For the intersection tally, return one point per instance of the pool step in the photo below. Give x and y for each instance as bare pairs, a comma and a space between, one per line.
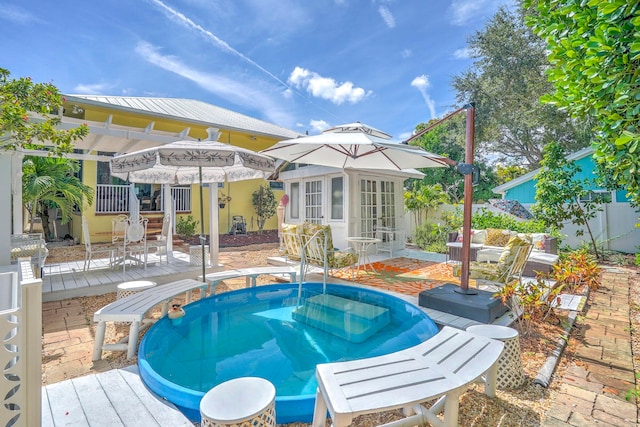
351, 320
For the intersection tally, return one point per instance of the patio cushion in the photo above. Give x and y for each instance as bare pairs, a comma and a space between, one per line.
335, 257
497, 237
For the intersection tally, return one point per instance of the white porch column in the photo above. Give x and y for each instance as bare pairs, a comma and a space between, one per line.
168, 209
16, 191
6, 175
214, 238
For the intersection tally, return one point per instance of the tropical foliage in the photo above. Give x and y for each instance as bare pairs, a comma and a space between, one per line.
51, 183
506, 82
594, 51
265, 204
448, 139
560, 196
423, 197
25, 116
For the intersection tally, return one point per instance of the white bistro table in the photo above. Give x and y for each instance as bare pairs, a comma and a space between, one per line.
362, 246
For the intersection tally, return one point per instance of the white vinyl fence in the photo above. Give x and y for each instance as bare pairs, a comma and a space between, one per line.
21, 349
614, 228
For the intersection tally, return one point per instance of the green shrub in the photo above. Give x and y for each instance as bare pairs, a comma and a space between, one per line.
486, 219
186, 227
432, 237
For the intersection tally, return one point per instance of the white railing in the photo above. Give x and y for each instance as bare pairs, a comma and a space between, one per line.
21, 347
115, 199
182, 197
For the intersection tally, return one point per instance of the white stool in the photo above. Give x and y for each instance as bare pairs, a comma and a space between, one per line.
241, 402
195, 255
510, 372
129, 288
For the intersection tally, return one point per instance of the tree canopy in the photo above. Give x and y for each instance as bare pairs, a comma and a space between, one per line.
25, 116
594, 51
506, 82
448, 139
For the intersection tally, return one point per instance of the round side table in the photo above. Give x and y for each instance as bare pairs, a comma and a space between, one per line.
241, 402
129, 288
510, 372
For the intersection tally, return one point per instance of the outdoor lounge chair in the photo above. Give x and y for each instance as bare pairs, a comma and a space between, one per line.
509, 267
440, 368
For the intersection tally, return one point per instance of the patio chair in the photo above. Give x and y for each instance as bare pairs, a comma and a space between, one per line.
134, 245
510, 266
162, 242
238, 225
90, 250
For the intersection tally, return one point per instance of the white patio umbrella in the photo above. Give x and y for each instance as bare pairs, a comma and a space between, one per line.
355, 146
192, 162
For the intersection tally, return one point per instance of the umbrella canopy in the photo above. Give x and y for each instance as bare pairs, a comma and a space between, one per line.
179, 163
192, 162
512, 207
355, 146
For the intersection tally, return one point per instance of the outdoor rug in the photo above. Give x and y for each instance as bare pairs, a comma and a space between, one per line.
405, 275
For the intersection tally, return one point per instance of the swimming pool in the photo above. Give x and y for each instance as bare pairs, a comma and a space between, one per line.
252, 332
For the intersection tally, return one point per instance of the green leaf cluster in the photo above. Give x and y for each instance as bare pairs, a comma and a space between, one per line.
26, 118
560, 195
265, 203
594, 51
506, 82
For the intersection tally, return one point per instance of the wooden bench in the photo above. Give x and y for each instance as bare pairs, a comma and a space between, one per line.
440, 368
133, 309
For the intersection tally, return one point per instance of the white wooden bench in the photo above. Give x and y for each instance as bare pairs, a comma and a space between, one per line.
133, 309
251, 275
440, 368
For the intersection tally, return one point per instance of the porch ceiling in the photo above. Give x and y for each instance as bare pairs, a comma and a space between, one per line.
110, 138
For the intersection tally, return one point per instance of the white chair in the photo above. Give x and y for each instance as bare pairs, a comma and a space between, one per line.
162, 242
130, 240
90, 249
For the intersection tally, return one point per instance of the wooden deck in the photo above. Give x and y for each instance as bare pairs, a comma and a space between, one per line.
114, 398
68, 280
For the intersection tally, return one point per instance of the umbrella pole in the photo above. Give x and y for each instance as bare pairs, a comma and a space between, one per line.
468, 200
202, 237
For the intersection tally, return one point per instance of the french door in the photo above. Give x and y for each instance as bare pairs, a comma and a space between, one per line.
377, 206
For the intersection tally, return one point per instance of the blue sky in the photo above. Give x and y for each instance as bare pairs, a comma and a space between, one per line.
304, 65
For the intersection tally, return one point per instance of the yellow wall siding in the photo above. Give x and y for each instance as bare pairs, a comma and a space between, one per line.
240, 192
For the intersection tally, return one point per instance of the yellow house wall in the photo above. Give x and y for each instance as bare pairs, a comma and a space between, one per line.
240, 192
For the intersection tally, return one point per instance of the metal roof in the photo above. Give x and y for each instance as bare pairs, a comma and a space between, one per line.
189, 110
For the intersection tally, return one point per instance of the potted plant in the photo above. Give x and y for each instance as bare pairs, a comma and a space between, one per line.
223, 199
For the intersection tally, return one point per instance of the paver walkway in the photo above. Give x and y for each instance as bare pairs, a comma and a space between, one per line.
595, 384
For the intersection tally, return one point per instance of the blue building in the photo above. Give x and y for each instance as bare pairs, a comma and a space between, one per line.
614, 228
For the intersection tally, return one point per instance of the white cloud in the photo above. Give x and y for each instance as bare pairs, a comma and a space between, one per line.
326, 87
406, 53
92, 89
387, 17
422, 84
185, 21
464, 53
465, 11
234, 91
318, 125
17, 14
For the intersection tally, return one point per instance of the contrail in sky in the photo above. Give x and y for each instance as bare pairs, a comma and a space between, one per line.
215, 39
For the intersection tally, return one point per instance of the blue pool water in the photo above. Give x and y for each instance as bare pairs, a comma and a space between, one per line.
251, 332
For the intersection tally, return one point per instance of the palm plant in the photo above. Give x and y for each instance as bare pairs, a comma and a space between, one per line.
422, 198
49, 182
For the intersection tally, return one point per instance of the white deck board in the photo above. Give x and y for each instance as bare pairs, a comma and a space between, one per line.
114, 398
